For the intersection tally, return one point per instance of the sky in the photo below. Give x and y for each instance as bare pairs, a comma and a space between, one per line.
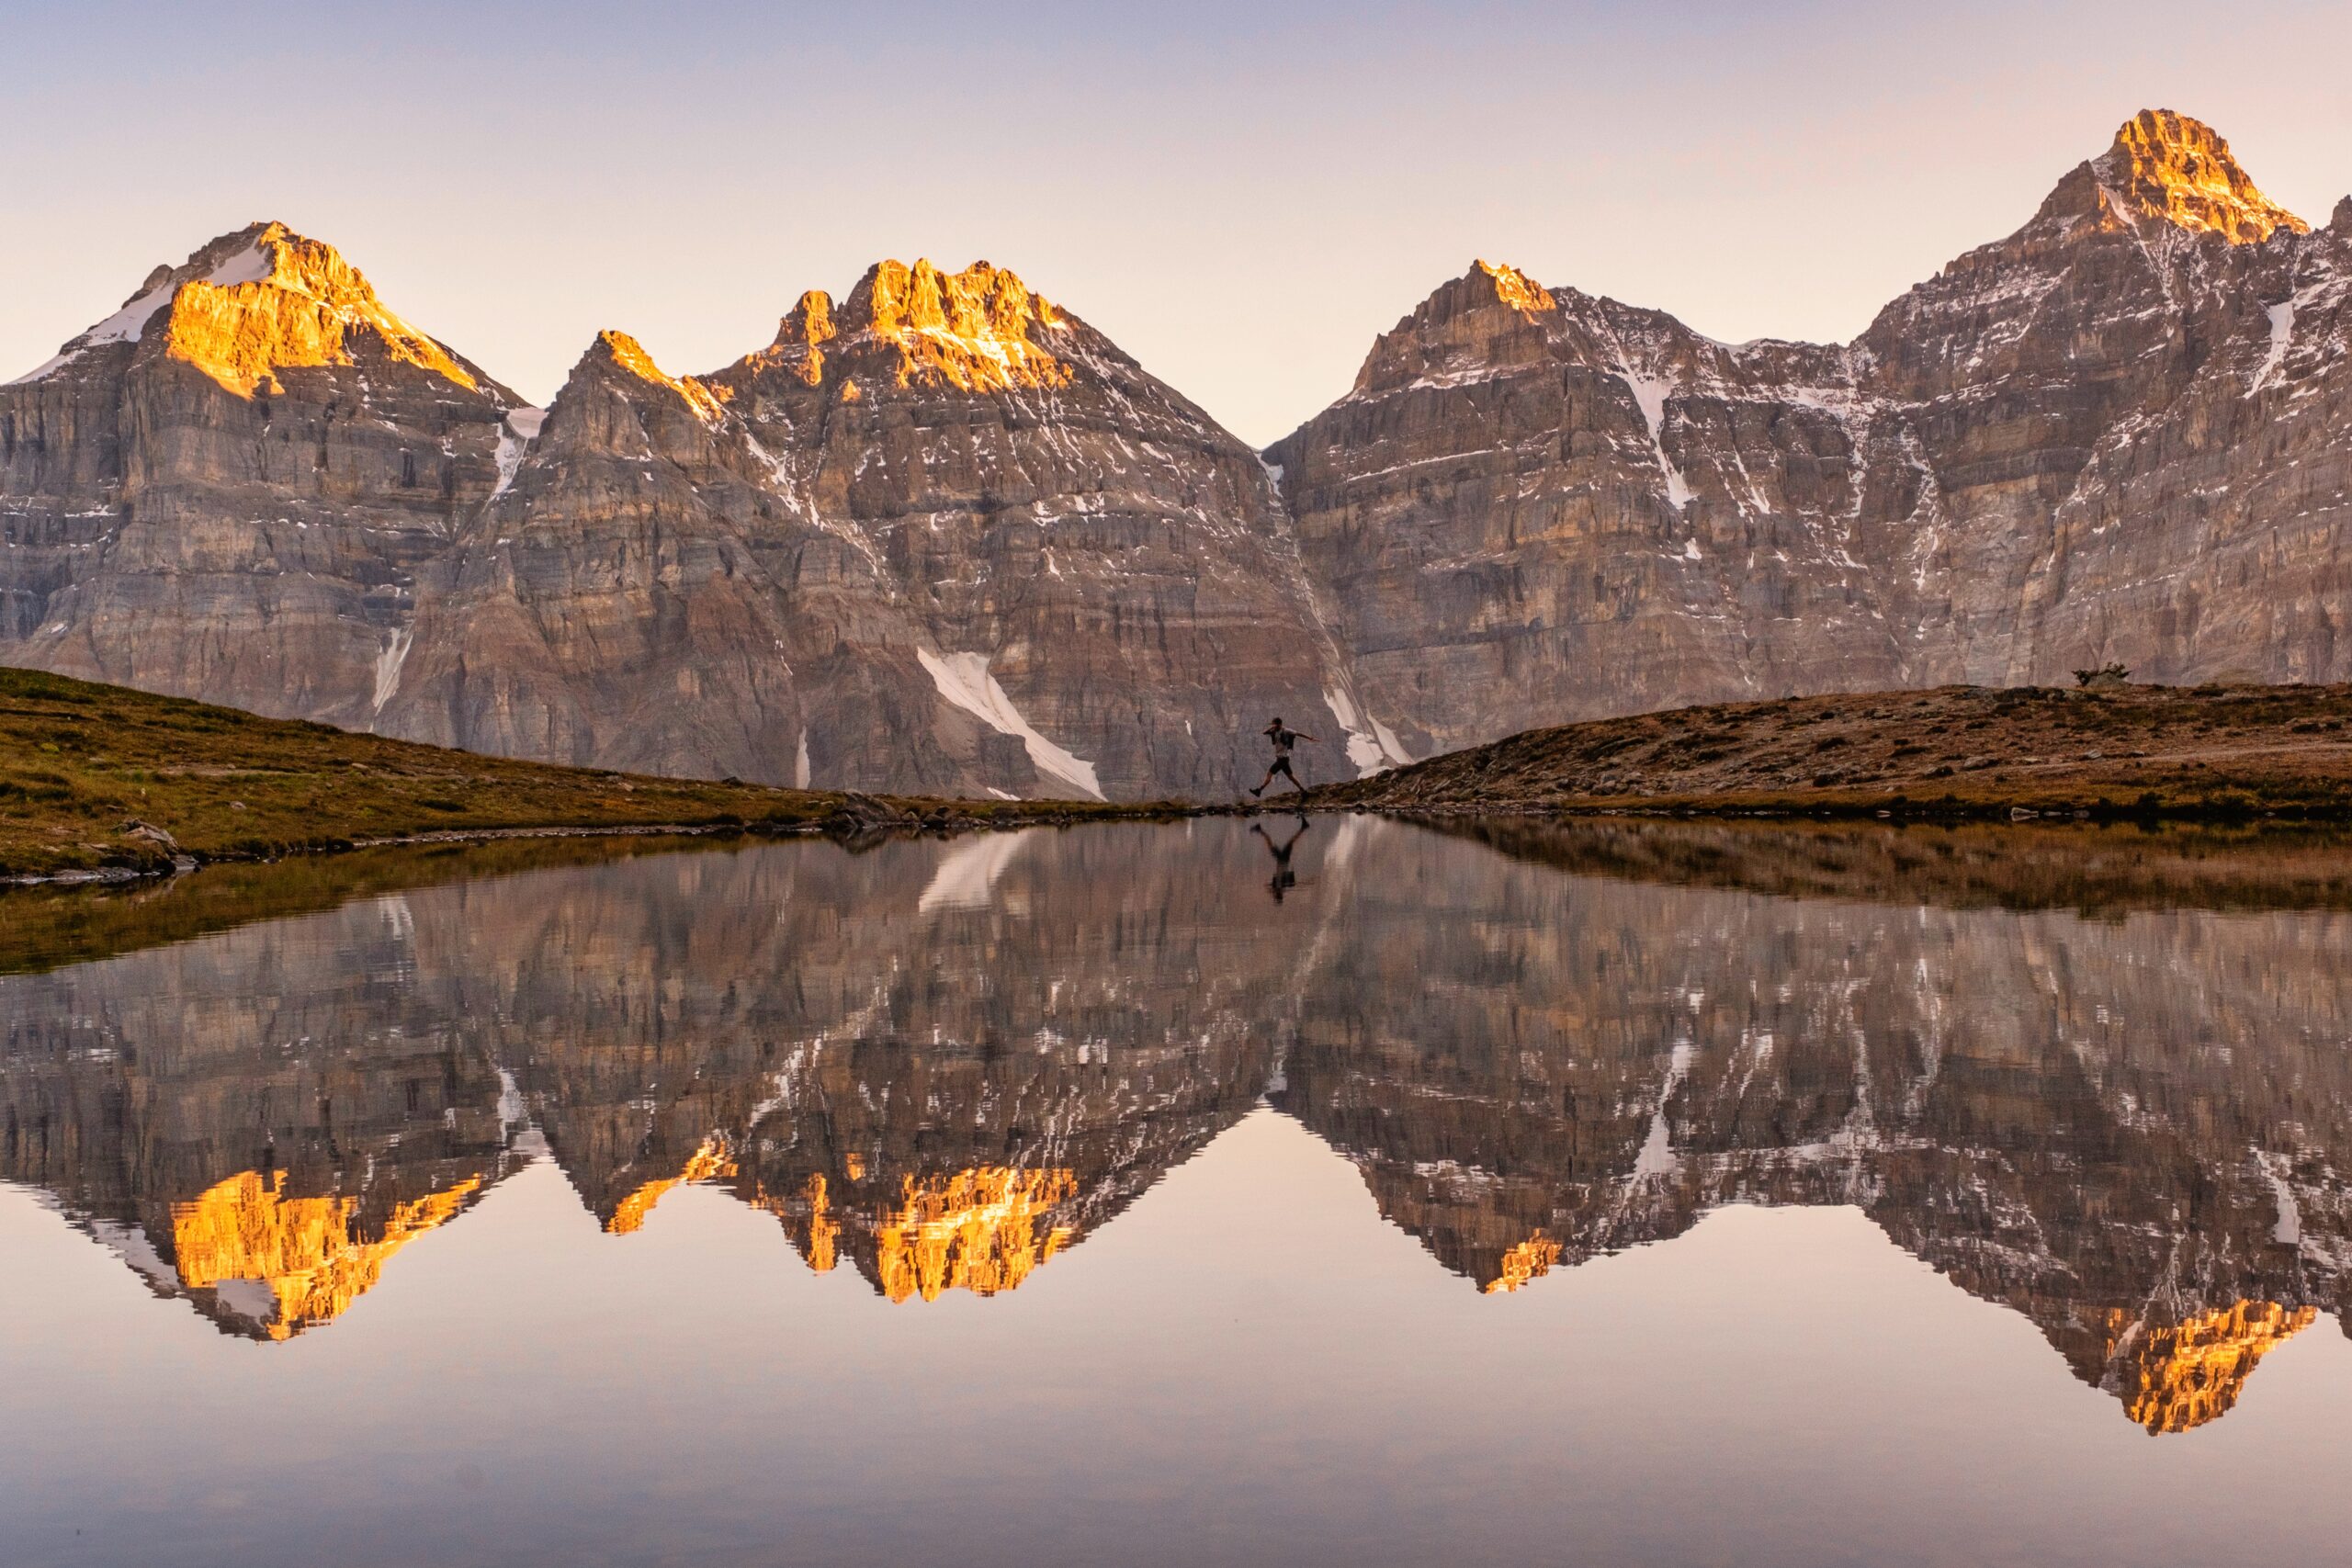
1242, 196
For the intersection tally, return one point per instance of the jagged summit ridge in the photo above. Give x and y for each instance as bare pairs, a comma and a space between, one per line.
2168, 165
980, 330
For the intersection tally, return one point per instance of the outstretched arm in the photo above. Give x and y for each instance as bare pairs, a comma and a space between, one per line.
1303, 735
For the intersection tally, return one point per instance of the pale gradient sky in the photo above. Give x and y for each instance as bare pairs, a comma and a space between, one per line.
1241, 195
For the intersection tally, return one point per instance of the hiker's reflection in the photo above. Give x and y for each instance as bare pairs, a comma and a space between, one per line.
1284, 878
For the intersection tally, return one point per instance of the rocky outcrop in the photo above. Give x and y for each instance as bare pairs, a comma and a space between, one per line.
2119, 434
639, 595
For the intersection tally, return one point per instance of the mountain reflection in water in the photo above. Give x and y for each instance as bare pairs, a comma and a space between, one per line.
944, 1066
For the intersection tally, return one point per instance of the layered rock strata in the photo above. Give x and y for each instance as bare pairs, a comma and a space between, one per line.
2119, 433
944, 536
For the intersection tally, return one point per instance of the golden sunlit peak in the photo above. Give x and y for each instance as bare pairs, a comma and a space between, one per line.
1515, 289
2180, 1376
301, 1249
976, 1230
266, 300
968, 330
2168, 165
800, 340
629, 354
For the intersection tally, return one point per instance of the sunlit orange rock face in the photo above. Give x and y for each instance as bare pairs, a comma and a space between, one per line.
307, 309
980, 330
1529, 1260
711, 1162
1516, 289
976, 330
2121, 432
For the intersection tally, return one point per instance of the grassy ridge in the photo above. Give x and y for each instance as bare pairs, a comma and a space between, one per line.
2205, 751
93, 776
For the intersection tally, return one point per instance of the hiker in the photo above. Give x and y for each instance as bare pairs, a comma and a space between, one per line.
1284, 878
1283, 740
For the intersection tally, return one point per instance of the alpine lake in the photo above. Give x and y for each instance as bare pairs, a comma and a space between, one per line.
1291, 1190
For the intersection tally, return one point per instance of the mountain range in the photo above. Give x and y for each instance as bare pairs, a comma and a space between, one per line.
943, 535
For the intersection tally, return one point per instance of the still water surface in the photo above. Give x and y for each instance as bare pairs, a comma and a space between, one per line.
1192, 1194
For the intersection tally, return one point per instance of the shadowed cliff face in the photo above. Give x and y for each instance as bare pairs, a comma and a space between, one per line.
2118, 433
943, 1066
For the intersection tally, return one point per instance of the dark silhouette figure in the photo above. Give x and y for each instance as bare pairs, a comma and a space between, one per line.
1283, 740
1284, 878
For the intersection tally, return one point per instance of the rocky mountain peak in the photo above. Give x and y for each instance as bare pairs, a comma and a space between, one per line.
616, 352
2168, 165
800, 339
980, 330
1492, 315
258, 301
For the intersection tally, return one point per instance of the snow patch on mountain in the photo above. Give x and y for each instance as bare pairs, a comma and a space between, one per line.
129, 323
964, 680
1650, 392
521, 428
387, 666
1371, 747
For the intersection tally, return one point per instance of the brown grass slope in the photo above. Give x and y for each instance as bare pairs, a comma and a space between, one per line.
1957, 750
2100, 870
95, 777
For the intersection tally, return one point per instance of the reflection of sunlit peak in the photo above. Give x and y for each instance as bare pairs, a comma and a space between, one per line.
711, 1162
976, 1230
301, 1249
824, 1231
1530, 1259
2178, 1376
